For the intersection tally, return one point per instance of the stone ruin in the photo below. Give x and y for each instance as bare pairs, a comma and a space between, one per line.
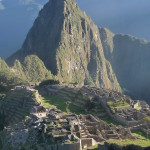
129, 116
60, 130
63, 131
95, 129
132, 116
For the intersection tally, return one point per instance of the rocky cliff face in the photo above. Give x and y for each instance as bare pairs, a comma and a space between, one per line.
69, 44
130, 61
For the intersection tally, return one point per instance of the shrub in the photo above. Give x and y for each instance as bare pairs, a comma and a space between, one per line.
49, 82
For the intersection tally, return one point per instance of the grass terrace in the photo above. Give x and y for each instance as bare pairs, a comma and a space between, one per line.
138, 142
109, 120
66, 105
141, 135
61, 103
95, 147
143, 140
117, 104
146, 119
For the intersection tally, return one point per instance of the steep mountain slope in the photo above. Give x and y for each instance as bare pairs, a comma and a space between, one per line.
129, 57
69, 44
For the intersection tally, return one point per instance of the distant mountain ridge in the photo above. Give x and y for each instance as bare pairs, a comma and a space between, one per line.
129, 57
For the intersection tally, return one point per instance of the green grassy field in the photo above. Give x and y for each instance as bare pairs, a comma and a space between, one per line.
141, 135
117, 104
108, 120
63, 104
146, 119
143, 140
92, 148
67, 106
139, 142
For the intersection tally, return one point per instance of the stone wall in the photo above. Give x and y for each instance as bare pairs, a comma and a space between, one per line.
141, 128
117, 117
138, 127
72, 146
107, 146
88, 142
124, 121
114, 116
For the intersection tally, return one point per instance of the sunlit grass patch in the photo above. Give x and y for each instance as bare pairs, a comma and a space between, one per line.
61, 103
138, 142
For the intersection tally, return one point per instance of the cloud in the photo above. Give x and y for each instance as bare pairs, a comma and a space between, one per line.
1, 6
26, 2
29, 2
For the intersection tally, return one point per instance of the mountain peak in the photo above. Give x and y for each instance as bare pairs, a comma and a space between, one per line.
69, 44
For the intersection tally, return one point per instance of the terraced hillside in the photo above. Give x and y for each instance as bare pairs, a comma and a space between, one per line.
76, 100
16, 105
22, 109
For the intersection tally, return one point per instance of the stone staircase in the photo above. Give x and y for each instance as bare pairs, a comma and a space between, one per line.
83, 132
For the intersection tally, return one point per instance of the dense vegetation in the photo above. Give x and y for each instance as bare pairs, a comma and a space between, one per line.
32, 69
48, 82
8, 79
35, 69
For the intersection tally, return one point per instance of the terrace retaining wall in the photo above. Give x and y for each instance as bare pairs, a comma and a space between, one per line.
72, 146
